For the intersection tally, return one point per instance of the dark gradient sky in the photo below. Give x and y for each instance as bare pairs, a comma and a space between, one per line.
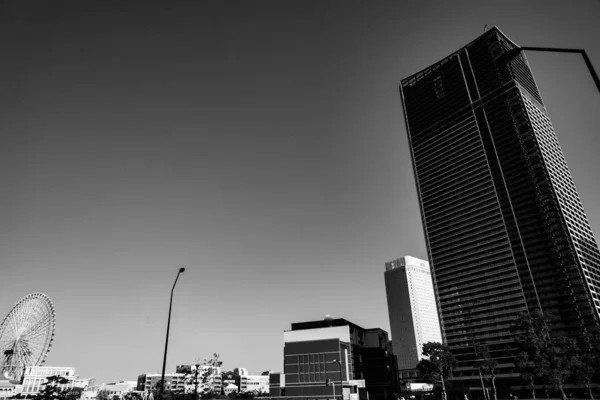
260, 144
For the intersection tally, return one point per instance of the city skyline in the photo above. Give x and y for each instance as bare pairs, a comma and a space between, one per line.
260, 145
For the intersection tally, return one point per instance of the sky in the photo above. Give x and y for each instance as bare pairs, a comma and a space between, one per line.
259, 144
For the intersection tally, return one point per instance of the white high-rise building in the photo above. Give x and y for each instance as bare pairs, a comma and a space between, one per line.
412, 309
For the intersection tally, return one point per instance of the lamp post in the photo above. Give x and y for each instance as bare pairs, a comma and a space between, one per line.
341, 380
511, 54
162, 377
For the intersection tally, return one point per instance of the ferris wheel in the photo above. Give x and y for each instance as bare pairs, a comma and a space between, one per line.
26, 335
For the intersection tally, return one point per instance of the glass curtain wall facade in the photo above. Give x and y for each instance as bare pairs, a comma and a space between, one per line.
505, 229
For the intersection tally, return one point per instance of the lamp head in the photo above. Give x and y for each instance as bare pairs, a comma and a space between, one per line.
509, 56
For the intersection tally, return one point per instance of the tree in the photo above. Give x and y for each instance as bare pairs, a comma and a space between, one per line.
557, 362
167, 394
52, 390
132, 396
527, 369
201, 377
102, 395
486, 366
437, 366
586, 363
582, 370
540, 355
73, 393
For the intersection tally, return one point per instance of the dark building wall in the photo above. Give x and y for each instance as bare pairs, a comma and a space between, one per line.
308, 364
230, 377
275, 384
504, 227
183, 369
141, 382
401, 318
380, 372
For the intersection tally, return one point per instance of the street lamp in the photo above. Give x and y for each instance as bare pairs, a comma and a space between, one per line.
511, 54
341, 380
162, 377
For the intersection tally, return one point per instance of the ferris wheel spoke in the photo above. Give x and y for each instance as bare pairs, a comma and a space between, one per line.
43, 319
35, 349
25, 358
34, 346
38, 340
28, 313
3, 347
37, 311
12, 324
31, 346
38, 327
25, 355
21, 311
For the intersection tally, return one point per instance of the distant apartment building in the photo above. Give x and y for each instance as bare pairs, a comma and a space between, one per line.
233, 382
35, 376
412, 310
214, 378
257, 383
148, 382
350, 356
251, 383
118, 388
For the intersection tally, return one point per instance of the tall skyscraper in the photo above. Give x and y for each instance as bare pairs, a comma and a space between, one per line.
412, 309
505, 229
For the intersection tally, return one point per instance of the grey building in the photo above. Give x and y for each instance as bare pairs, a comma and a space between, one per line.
505, 229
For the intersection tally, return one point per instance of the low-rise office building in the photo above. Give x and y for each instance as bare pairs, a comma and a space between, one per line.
213, 380
7, 389
118, 388
36, 376
175, 382
257, 383
233, 382
336, 351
